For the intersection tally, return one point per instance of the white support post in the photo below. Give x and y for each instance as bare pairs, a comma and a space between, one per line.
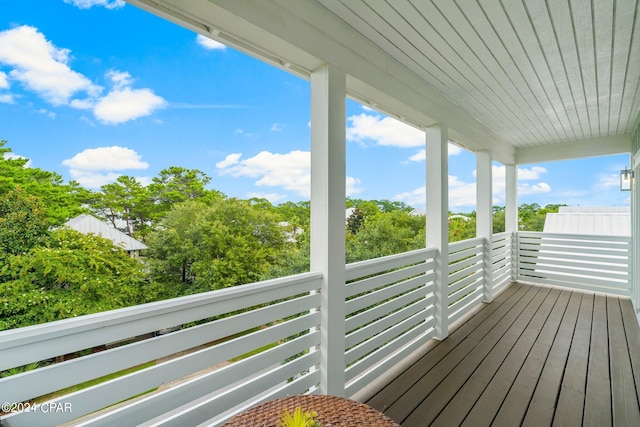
635, 234
437, 200
511, 214
328, 173
484, 217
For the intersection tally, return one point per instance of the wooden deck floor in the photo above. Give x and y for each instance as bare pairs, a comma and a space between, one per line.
536, 356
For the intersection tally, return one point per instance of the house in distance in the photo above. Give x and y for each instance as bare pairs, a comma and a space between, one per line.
88, 224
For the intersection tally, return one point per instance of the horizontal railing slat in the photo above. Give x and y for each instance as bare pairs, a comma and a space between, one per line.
357, 382
378, 341
377, 296
24, 345
370, 283
378, 265
386, 307
378, 326
116, 390
58, 376
465, 244
383, 352
454, 288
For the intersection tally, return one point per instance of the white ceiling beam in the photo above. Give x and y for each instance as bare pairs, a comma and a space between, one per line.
615, 144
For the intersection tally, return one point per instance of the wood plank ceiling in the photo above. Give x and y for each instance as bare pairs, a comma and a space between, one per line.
533, 71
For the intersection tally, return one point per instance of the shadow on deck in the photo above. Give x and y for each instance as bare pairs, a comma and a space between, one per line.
536, 356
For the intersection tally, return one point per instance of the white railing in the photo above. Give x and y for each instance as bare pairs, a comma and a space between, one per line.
502, 260
593, 263
466, 276
206, 357
390, 313
277, 319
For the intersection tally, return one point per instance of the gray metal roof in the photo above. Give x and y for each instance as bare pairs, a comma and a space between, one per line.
88, 224
598, 220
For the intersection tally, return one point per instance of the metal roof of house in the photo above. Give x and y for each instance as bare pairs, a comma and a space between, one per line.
601, 220
88, 224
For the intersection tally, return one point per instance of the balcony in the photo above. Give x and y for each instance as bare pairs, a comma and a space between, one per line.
500, 328
241, 346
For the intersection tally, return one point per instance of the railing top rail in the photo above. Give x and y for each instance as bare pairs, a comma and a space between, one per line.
591, 237
501, 234
377, 265
462, 244
21, 336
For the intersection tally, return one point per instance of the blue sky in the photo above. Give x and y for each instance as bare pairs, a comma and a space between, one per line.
94, 89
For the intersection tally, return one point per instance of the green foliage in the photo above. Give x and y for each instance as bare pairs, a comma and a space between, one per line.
355, 221
386, 234
177, 184
374, 206
72, 274
217, 245
299, 418
532, 216
461, 227
22, 225
62, 201
125, 202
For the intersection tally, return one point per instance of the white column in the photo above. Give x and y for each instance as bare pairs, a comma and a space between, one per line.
484, 217
437, 201
511, 214
635, 235
328, 169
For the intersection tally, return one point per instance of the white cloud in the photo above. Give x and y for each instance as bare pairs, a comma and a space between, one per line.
231, 159
524, 174
47, 113
527, 189
420, 156
122, 105
93, 179
4, 81
290, 171
383, 131
352, 186
42, 67
209, 44
95, 167
530, 174
7, 98
461, 194
120, 79
86, 4
277, 127
415, 197
607, 182
107, 159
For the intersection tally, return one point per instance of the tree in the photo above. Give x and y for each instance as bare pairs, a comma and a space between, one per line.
61, 201
71, 274
23, 224
355, 221
211, 246
386, 234
177, 184
126, 204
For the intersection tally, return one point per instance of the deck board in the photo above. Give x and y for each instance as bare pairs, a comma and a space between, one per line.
535, 356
